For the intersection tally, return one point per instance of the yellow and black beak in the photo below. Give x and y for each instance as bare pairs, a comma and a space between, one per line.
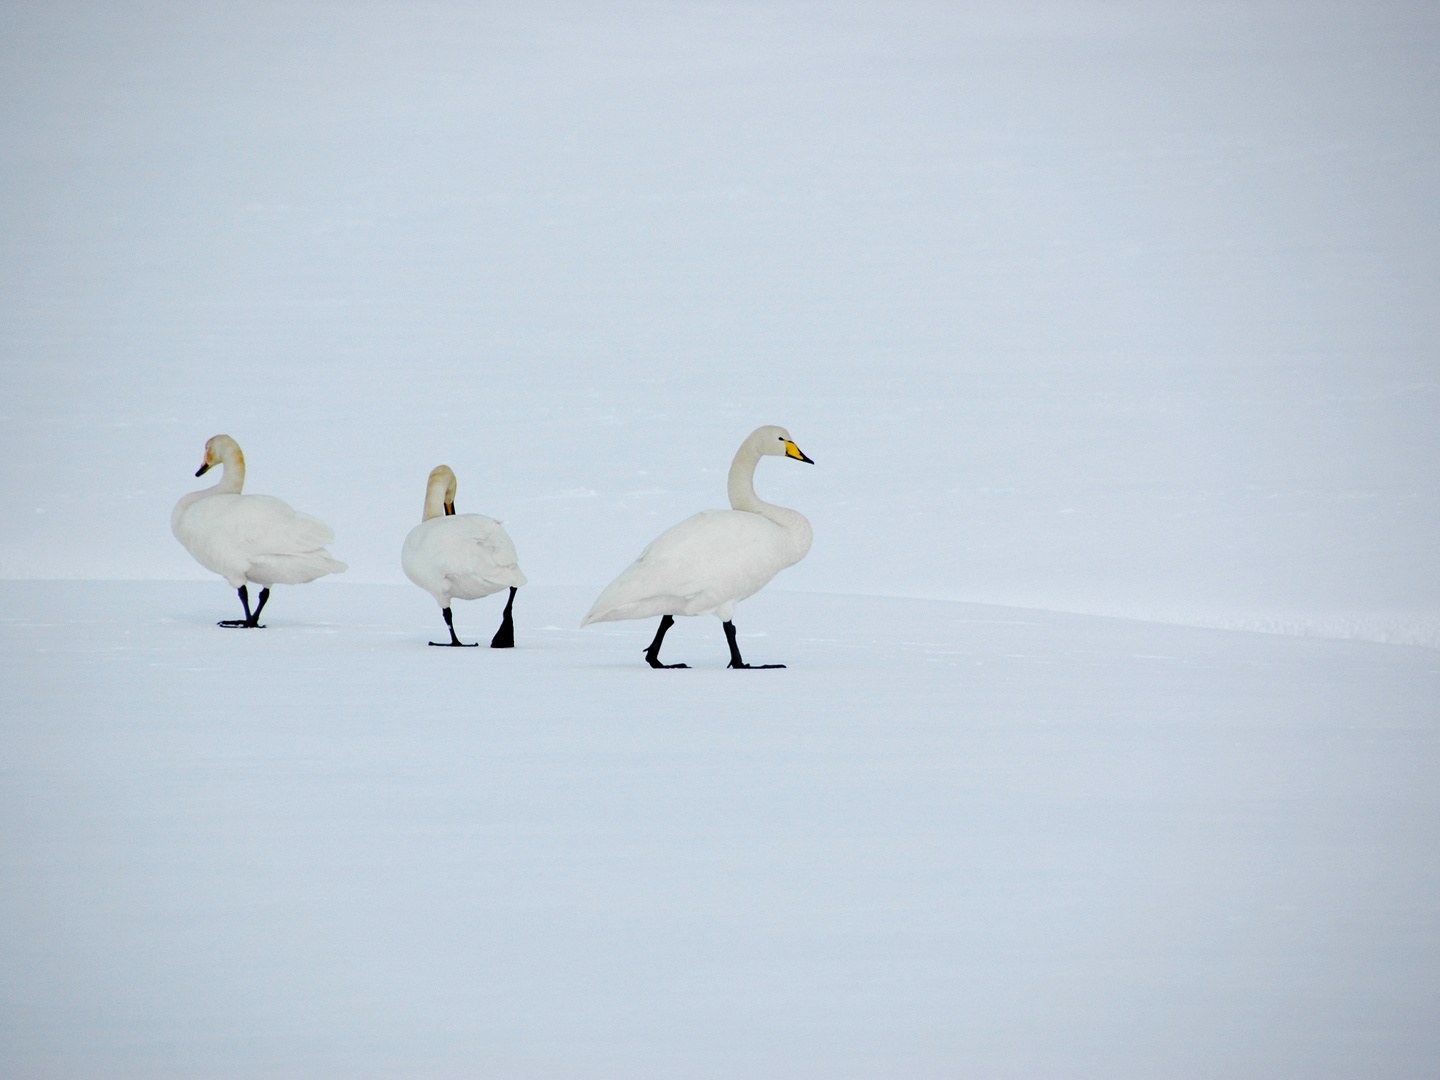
793, 451
449, 509
203, 469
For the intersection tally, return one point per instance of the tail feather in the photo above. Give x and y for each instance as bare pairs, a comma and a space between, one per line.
275, 569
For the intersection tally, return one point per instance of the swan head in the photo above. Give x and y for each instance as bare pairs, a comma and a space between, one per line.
776, 440
439, 492
220, 450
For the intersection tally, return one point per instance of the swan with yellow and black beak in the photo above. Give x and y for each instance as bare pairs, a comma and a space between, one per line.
710, 562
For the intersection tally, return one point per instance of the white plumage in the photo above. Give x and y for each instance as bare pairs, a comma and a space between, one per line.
249, 537
460, 556
706, 564
710, 562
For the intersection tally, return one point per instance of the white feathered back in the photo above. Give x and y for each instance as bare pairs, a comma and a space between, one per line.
461, 556
250, 537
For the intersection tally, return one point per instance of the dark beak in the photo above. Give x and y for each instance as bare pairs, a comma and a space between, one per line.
202, 470
449, 509
805, 459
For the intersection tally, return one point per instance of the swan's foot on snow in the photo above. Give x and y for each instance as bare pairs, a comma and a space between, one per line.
652, 654
454, 641
505, 637
251, 621
735, 661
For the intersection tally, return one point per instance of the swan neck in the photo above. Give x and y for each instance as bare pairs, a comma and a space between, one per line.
434, 499
742, 480
232, 472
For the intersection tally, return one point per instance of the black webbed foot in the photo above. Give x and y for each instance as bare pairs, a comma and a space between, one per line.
735, 661
505, 637
454, 642
652, 654
252, 619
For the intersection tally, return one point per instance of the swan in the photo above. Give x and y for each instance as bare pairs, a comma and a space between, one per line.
468, 556
710, 562
249, 537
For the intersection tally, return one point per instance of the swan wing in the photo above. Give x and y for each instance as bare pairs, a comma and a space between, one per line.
463, 556
257, 538
708, 561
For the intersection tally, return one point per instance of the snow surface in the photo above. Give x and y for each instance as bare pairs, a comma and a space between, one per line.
1115, 309
948, 840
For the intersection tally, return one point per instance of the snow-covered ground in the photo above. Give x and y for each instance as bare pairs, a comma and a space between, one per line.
1111, 309
948, 840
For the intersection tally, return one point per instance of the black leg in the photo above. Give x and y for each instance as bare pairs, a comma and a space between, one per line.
652, 654
250, 621
505, 637
454, 641
735, 660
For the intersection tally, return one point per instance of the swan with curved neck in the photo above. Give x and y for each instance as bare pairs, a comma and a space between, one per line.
461, 556
248, 538
710, 562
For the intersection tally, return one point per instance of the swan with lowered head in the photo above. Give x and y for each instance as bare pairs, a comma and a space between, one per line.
249, 537
710, 562
461, 556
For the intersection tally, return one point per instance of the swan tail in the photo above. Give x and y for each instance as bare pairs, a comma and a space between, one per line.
278, 569
637, 594
639, 609
465, 586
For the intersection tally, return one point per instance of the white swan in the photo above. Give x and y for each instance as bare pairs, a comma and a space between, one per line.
249, 537
712, 561
464, 556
